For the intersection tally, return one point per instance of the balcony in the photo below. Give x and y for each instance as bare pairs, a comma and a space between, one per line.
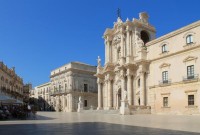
190, 78
165, 82
61, 91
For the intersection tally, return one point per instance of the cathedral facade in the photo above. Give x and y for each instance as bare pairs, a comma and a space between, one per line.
148, 72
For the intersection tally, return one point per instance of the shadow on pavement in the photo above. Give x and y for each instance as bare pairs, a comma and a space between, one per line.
85, 128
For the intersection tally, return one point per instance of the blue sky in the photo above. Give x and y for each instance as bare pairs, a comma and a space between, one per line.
37, 36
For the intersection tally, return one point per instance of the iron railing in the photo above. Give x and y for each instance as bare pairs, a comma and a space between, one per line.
191, 77
165, 82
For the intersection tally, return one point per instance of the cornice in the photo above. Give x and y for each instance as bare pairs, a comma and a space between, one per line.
72, 70
175, 53
174, 33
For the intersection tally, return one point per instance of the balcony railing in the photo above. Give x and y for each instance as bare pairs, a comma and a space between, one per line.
61, 91
165, 82
191, 77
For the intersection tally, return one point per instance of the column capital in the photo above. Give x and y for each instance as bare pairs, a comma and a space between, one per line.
128, 29
99, 81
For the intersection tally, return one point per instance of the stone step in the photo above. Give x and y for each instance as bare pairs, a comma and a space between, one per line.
101, 111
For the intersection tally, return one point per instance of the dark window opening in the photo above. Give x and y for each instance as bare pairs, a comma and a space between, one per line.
190, 99
165, 101
144, 37
85, 103
85, 88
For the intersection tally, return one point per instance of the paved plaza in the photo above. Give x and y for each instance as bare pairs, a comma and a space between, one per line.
103, 124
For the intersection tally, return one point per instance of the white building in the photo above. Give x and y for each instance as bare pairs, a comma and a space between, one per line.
157, 73
71, 81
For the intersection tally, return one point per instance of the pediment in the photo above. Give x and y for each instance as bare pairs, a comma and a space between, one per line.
190, 58
164, 65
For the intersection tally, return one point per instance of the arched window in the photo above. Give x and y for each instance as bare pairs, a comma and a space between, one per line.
164, 48
144, 36
189, 39
138, 83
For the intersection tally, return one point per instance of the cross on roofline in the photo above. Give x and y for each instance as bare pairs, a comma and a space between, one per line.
119, 13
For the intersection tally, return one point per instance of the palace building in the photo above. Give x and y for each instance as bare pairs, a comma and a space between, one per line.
11, 85
68, 84
156, 74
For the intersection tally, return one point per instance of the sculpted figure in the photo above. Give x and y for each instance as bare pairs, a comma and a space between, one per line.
125, 94
79, 99
99, 61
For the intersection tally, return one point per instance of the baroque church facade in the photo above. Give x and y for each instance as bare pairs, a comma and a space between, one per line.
149, 72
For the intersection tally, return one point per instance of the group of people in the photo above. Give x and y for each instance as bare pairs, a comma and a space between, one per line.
17, 112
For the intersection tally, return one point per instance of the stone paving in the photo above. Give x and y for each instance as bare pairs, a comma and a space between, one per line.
99, 124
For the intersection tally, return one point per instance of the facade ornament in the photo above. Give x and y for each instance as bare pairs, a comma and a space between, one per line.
117, 39
144, 17
127, 19
99, 61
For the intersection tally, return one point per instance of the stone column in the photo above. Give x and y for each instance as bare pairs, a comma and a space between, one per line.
129, 89
128, 41
110, 94
70, 102
142, 88
64, 102
99, 96
134, 91
110, 51
123, 84
122, 45
105, 95
106, 52
57, 104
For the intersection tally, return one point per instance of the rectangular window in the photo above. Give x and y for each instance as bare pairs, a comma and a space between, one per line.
85, 103
164, 48
190, 72
85, 87
189, 39
190, 100
165, 76
165, 101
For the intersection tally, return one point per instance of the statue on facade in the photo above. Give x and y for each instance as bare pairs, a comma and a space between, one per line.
79, 99
125, 95
139, 41
99, 61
